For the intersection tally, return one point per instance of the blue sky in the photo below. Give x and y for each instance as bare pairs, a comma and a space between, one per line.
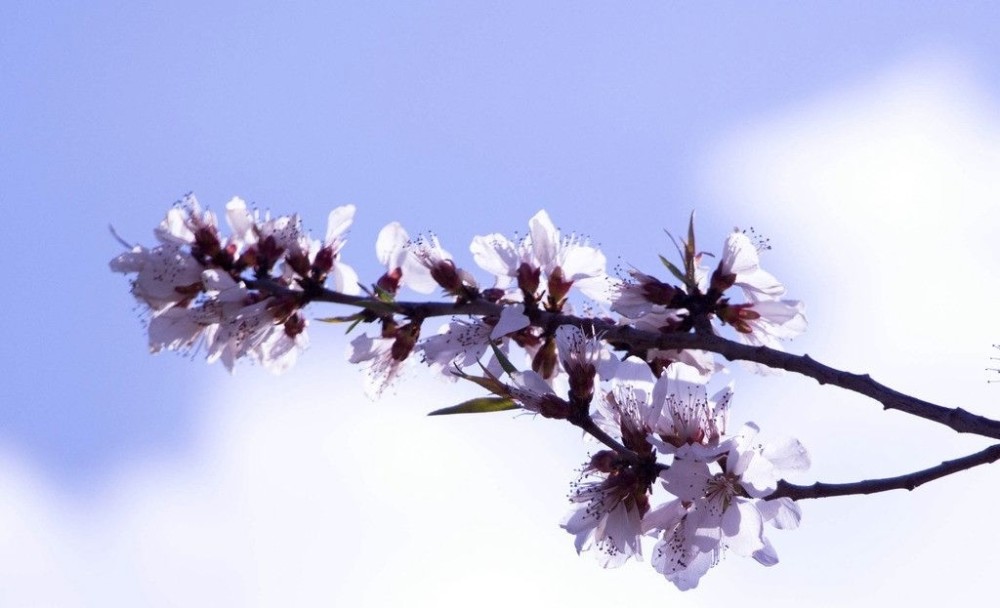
862, 140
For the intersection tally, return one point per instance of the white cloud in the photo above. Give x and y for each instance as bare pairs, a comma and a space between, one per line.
883, 201
304, 493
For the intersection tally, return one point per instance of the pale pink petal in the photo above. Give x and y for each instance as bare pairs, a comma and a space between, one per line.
338, 222
512, 318
782, 513
241, 221
173, 329
786, 454
544, 240
686, 479
389, 246
497, 256
345, 279
766, 556
743, 528
582, 262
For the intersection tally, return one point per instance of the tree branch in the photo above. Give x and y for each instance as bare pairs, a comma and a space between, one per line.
956, 419
909, 481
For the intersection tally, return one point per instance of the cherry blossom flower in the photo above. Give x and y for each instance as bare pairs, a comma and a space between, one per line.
458, 345
268, 241
238, 324
641, 411
740, 266
611, 499
381, 368
612, 493
191, 281
625, 412
345, 279
765, 319
765, 323
563, 261
384, 356
583, 359
429, 266
421, 264
761, 320
770, 321
683, 419
186, 223
720, 511
464, 343
422, 257
567, 259
309, 258
165, 275
231, 323
536, 395
643, 294
499, 256
390, 249
681, 556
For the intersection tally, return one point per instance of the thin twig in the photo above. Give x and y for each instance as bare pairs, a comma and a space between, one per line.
909, 481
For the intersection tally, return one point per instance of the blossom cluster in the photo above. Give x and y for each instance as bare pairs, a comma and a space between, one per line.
715, 484
193, 284
667, 472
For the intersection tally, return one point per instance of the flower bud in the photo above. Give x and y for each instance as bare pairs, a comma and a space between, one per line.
551, 406
299, 262
445, 274
295, 325
323, 262
544, 362
558, 288
406, 339
604, 461
528, 279
389, 282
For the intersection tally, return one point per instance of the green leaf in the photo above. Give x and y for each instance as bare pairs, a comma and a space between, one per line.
680, 250
384, 296
348, 319
677, 273
478, 406
354, 320
690, 251
690, 242
351, 327
505, 363
489, 382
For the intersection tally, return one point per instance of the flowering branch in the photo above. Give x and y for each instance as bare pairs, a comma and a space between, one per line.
634, 340
957, 419
910, 481
637, 382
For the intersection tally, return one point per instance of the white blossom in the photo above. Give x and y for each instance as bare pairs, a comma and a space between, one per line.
721, 511
566, 259
381, 369
683, 418
183, 220
608, 514
741, 258
165, 275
